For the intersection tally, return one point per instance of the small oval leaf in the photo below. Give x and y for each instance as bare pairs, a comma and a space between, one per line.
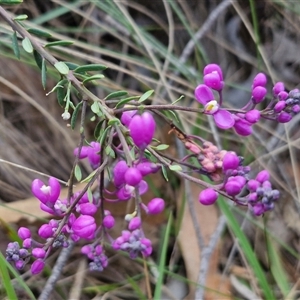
114, 121
44, 73
77, 173
162, 147
126, 100
27, 46
94, 77
71, 65
75, 114
20, 17
58, 43
95, 108
116, 95
15, 45
39, 32
62, 68
175, 168
10, 2
146, 96
38, 59
91, 67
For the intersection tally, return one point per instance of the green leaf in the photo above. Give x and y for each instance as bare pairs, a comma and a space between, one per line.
177, 100
90, 195
39, 32
114, 121
62, 68
165, 173
71, 65
44, 73
126, 100
95, 108
104, 135
98, 129
115, 95
109, 151
145, 96
61, 92
175, 168
162, 147
10, 2
6, 281
58, 43
27, 46
91, 67
89, 177
15, 45
77, 173
38, 59
20, 17
75, 115
94, 77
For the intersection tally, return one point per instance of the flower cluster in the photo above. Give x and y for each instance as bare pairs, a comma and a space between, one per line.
282, 107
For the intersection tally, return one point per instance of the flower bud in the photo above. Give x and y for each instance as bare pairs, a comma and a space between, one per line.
258, 94
135, 223
147, 167
210, 68
283, 95
24, 233
233, 187
284, 117
84, 227
45, 193
279, 106
252, 116
156, 206
296, 108
253, 185
142, 128
133, 176
119, 172
259, 80
38, 252
213, 81
262, 176
86, 209
27, 243
278, 87
242, 127
45, 231
37, 267
127, 116
108, 221
230, 161
208, 196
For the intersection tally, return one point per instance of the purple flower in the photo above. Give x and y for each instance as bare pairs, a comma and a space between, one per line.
262, 176
210, 68
147, 167
92, 152
84, 227
222, 117
37, 267
233, 187
127, 116
156, 206
86, 209
279, 106
208, 196
46, 194
142, 128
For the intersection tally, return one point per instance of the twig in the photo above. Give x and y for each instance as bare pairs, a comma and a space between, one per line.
56, 272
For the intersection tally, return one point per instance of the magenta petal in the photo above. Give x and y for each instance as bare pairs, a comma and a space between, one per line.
36, 190
203, 94
223, 119
213, 68
55, 189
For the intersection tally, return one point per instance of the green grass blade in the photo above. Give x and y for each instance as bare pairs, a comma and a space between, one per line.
10, 291
162, 261
247, 250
